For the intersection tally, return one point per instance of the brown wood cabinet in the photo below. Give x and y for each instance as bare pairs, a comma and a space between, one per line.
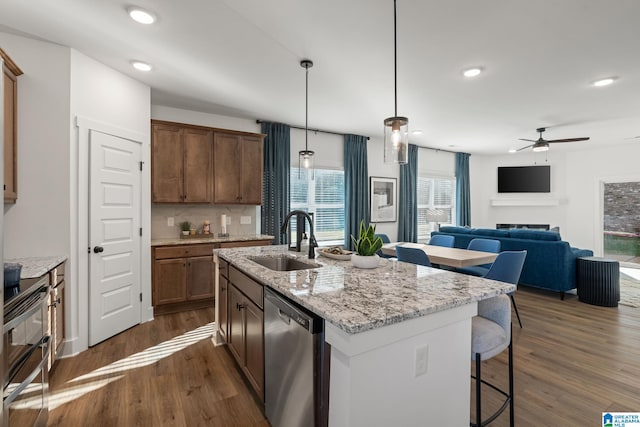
237, 169
197, 164
223, 283
10, 73
181, 164
245, 327
182, 277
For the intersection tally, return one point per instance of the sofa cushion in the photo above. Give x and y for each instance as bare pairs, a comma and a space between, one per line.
491, 232
521, 233
455, 229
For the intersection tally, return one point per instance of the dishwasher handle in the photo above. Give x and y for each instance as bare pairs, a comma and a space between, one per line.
287, 310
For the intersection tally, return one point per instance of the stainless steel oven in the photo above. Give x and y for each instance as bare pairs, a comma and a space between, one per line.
26, 351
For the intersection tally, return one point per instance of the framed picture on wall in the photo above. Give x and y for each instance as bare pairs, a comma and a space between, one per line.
382, 197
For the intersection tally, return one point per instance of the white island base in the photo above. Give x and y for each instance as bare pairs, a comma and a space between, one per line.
374, 381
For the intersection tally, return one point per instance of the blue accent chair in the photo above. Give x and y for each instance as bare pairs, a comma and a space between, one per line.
413, 256
442, 240
385, 239
483, 245
507, 268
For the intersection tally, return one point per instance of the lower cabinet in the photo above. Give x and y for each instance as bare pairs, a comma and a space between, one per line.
245, 336
182, 277
56, 312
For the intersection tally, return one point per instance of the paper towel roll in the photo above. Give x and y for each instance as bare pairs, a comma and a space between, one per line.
223, 224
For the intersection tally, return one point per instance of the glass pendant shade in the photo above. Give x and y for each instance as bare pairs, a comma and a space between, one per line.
305, 161
396, 140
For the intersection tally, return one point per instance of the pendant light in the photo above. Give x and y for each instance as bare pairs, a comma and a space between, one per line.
305, 157
396, 128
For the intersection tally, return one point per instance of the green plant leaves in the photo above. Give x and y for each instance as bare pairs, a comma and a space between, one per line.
367, 243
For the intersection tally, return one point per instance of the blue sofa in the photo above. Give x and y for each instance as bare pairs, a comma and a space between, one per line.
550, 263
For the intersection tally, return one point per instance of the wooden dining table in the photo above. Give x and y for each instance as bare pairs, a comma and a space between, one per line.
452, 257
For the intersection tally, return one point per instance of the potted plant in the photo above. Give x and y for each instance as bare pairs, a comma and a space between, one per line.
185, 227
366, 247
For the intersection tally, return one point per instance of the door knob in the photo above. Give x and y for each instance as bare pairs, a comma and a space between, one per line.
97, 249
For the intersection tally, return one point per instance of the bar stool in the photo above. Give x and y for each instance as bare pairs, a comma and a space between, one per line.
490, 335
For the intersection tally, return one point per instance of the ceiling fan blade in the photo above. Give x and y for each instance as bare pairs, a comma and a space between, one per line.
524, 148
569, 139
528, 140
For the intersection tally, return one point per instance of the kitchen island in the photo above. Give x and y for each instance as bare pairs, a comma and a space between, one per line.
400, 335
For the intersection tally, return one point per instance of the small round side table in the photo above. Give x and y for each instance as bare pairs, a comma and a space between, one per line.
598, 281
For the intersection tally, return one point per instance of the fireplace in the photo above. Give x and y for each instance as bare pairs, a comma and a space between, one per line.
531, 226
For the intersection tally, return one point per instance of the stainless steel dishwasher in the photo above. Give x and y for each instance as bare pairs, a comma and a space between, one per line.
296, 390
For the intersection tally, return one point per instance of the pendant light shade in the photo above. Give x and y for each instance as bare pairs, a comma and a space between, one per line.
396, 128
305, 157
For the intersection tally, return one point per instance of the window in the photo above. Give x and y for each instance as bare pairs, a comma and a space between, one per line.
323, 197
436, 204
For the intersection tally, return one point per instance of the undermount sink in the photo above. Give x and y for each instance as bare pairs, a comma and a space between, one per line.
282, 263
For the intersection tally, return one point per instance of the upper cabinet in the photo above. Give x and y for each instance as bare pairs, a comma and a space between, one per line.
10, 72
237, 169
194, 164
181, 163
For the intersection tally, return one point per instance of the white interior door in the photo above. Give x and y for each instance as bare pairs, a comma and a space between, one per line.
114, 236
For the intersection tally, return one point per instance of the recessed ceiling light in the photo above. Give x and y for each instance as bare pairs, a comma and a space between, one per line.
417, 132
141, 66
512, 150
141, 16
605, 82
472, 72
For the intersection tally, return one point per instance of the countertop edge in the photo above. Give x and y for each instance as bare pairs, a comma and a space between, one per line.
33, 267
176, 241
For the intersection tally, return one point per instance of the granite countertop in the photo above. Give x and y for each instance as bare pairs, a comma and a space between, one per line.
208, 239
356, 300
33, 267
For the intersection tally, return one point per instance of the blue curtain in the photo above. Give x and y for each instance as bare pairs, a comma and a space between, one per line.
275, 187
408, 212
356, 189
463, 190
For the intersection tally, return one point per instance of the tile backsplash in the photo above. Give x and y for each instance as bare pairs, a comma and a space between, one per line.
198, 214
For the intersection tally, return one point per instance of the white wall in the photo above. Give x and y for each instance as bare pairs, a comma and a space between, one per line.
575, 178
101, 94
39, 223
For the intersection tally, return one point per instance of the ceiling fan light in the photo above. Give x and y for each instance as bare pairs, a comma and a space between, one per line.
540, 148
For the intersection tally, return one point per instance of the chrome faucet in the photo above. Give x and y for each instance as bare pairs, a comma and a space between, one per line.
300, 215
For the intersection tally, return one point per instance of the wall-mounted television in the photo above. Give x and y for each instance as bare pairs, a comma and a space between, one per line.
524, 179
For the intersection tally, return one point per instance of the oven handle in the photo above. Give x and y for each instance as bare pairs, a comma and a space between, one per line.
32, 310
46, 341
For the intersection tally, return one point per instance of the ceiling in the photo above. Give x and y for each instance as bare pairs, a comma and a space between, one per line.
242, 58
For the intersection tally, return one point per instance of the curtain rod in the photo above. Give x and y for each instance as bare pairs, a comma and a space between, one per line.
439, 149
313, 130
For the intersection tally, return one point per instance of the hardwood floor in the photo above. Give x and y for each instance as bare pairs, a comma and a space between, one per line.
573, 361
160, 373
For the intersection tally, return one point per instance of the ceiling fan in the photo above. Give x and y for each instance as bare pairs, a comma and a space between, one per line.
543, 144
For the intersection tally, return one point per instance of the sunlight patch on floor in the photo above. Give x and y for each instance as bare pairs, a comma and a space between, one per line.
152, 354
634, 273
138, 360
